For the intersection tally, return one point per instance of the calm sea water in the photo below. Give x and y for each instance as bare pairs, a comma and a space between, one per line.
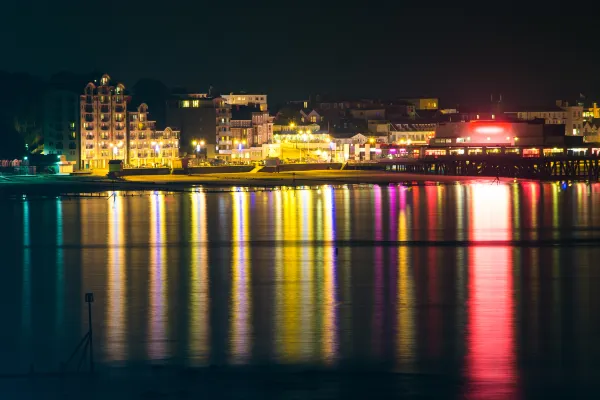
497, 285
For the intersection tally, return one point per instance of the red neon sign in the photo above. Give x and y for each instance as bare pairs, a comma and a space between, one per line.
489, 130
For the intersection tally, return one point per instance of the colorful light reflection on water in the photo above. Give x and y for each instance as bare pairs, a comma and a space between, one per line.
423, 279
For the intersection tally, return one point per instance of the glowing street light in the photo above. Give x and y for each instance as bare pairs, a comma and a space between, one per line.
199, 146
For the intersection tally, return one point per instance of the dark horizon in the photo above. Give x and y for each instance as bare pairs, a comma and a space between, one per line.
289, 52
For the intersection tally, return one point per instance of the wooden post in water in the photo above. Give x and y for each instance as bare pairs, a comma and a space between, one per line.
89, 298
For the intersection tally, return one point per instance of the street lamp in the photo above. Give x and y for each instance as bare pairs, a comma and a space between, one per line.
199, 147
240, 143
331, 154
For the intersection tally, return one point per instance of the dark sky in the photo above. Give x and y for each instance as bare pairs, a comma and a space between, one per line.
290, 49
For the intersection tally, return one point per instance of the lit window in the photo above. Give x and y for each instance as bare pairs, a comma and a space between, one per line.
185, 103
196, 103
72, 124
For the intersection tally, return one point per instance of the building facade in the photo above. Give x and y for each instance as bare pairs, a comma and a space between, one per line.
248, 127
197, 117
571, 116
110, 132
424, 103
103, 124
244, 99
61, 125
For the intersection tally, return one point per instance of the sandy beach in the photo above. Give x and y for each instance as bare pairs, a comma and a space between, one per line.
56, 185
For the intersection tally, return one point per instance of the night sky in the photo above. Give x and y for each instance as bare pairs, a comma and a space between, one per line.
290, 49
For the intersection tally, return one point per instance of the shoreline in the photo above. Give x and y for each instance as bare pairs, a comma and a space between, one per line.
56, 185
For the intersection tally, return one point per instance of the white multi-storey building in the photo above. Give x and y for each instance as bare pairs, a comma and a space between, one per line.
103, 124
110, 132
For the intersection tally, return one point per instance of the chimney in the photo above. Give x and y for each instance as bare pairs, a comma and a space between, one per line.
559, 103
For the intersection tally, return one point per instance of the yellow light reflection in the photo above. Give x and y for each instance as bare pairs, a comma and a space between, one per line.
534, 198
329, 322
289, 329
199, 302
116, 296
405, 331
241, 300
157, 312
307, 286
516, 220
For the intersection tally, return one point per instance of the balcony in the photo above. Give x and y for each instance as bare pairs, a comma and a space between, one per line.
119, 108
89, 137
89, 146
119, 136
104, 109
88, 108
142, 136
104, 136
89, 118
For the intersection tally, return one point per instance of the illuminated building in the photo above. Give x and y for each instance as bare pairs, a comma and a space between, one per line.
249, 127
110, 132
198, 117
141, 131
500, 137
310, 116
61, 125
591, 113
424, 103
244, 99
103, 124
560, 114
147, 146
411, 133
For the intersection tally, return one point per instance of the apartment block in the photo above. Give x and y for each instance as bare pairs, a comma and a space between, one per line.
103, 124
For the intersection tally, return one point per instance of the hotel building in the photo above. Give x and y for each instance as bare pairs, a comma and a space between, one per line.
110, 132
103, 124
148, 146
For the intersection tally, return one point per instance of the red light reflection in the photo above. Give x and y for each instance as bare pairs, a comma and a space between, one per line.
490, 359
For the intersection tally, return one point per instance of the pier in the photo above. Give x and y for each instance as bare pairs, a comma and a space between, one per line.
543, 168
